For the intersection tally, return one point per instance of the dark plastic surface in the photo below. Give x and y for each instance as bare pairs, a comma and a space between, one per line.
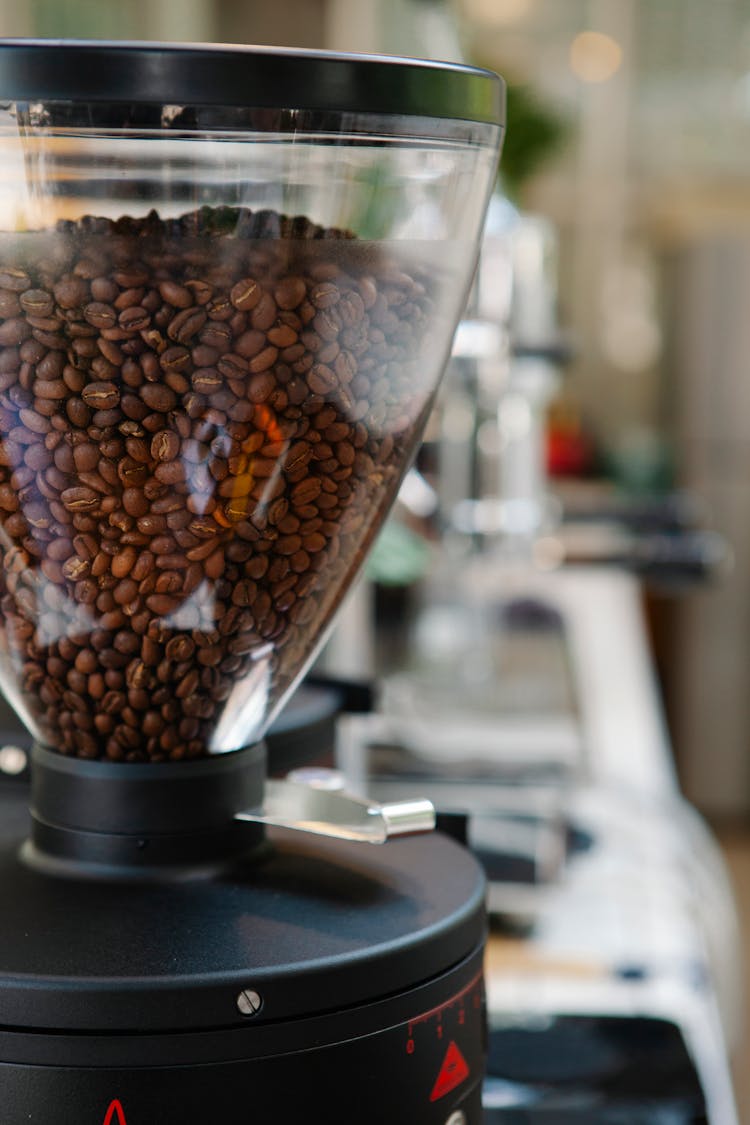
418, 1057
221, 75
157, 797
100, 819
592, 1070
318, 925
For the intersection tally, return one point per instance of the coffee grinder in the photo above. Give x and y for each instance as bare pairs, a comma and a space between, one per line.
229, 278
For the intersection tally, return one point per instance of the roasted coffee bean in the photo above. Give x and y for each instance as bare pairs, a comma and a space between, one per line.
158, 397
37, 302
246, 294
290, 292
104, 289
101, 396
189, 442
264, 360
100, 315
134, 318
14, 331
162, 605
125, 591
13, 278
165, 445
175, 294
134, 502
127, 643
79, 499
186, 325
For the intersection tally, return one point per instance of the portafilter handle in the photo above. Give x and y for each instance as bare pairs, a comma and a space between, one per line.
326, 812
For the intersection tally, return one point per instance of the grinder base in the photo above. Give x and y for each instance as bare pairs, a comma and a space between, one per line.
364, 965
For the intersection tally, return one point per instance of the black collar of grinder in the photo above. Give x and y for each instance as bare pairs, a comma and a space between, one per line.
142, 821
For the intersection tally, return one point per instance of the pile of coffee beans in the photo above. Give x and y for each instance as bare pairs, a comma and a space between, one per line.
202, 423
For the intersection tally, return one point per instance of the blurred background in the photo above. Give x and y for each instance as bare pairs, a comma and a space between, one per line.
629, 134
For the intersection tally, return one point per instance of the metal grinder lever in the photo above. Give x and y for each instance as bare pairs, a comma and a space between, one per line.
289, 804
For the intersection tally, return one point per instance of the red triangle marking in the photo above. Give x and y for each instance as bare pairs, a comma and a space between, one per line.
453, 1072
115, 1108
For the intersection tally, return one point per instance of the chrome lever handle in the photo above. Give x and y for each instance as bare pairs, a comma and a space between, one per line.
288, 804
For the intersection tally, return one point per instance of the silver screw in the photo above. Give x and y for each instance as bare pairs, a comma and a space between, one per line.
457, 1118
249, 1002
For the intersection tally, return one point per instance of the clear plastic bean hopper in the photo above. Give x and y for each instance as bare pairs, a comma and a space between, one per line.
229, 280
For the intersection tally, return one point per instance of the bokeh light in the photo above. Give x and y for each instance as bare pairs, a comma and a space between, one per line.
595, 57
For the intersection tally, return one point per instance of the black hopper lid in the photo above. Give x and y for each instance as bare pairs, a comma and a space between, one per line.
253, 77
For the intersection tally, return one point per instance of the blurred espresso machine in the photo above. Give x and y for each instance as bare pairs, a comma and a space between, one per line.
525, 706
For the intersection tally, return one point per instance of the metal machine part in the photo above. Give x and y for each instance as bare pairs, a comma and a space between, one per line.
309, 808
